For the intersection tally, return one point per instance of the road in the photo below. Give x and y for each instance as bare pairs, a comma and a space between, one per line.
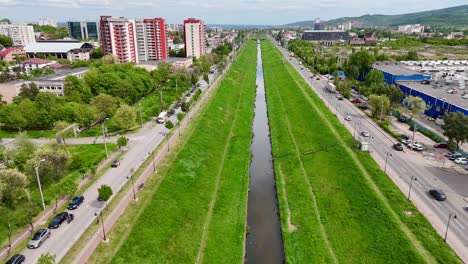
401, 166
140, 146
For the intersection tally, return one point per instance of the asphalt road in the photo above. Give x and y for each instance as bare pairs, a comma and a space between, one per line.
140, 145
401, 166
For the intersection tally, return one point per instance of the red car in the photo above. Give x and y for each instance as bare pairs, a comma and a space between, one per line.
441, 145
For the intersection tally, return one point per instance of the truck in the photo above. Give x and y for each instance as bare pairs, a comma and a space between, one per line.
331, 87
162, 117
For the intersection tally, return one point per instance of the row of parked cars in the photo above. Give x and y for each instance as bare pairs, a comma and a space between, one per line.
44, 233
458, 158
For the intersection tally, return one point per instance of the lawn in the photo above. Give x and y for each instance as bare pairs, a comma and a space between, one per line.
84, 157
336, 204
198, 211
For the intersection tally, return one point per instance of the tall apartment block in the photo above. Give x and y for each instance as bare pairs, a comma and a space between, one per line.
194, 33
151, 39
83, 30
21, 34
119, 38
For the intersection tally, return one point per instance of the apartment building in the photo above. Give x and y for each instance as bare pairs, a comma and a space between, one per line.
119, 38
47, 22
21, 34
83, 30
152, 42
194, 34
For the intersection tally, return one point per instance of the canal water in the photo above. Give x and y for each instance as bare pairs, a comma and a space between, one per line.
264, 239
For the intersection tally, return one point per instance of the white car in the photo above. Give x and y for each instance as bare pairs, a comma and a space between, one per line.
348, 118
462, 161
415, 146
365, 133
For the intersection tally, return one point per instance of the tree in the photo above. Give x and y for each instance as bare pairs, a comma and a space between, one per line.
6, 41
29, 91
412, 55
125, 117
415, 106
24, 150
122, 141
84, 115
55, 165
205, 77
12, 186
455, 127
380, 105
169, 124
176, 40
76, 90
362, 59
105, 192
375, 77
46, 258
105, 105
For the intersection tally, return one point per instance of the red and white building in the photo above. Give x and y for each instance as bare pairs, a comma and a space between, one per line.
119, 38
194, 34
151, 39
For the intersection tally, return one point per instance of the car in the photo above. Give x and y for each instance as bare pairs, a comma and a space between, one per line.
75, 202
462, 161
16, 259
441, 145
302, 68
365, 133
339, 97
58, 220
415, 146
398, 146
39, 237
455, 156
466, 168
172, 112
404, 137
411, 128
408, 141
318, 79
348, 118
439, 195
115, 163
402, 119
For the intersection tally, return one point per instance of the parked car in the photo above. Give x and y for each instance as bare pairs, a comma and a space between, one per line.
462, 161
398, 146
39, 238
339, 97
318, 79
402, 119
411, 128
455, 156
115, 163
439, 195
16, 259
365, 133
348, 118
171, 113
58, 220
404, 137
415, 146
75, 202
441, 145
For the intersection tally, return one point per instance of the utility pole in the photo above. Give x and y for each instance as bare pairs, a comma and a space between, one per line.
141, 116
39, 182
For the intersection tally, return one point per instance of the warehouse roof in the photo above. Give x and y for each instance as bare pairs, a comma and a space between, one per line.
394, 69
52, 47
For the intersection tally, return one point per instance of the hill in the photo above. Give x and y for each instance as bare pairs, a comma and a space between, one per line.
448, 17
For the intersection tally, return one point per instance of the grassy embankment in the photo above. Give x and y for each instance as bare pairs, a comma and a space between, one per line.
197, 210
336, 204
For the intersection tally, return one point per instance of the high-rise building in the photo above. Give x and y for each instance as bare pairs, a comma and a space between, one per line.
317, 24
21, 34
47, 22
194, 33
83, 30
151, 39
118, 38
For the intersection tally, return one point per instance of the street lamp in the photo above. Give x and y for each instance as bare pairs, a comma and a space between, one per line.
39, 182
152, 158
411, 185
451, 215
141, 116
133, 186
104, 136
355, 124
386, 158
99, 213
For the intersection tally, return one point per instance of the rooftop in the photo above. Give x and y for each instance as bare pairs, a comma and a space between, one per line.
55, 47
394, 69
439, 92
335, 30
59, 76
35, 61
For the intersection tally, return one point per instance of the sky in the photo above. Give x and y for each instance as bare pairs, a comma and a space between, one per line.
246, 12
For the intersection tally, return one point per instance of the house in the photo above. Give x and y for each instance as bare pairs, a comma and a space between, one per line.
10, 54
67, 50
35, 63
370, 38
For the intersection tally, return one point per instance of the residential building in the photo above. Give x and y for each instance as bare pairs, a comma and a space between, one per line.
119, 38
455, 35
10, 54
317, 24
21, 34
175, 27
35, 63
328, 37
83, 30
411, 29
151, 39
52, 83
47, 22
72, 51
194, 34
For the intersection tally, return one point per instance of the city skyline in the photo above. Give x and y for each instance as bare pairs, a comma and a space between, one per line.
254, 12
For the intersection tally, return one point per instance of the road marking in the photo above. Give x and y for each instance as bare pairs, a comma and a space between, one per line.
458, 222
403, 169
136, 138
438, 203
419, 184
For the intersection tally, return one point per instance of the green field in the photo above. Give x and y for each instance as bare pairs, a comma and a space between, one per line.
198, 211
336, 204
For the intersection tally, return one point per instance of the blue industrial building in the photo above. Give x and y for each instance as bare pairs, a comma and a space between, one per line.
438, 101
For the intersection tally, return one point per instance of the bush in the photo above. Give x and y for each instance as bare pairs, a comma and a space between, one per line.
180, 116
169, 124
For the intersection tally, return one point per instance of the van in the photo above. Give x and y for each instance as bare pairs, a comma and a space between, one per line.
162, 118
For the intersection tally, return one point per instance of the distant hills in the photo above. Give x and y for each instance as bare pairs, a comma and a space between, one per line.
448, 17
